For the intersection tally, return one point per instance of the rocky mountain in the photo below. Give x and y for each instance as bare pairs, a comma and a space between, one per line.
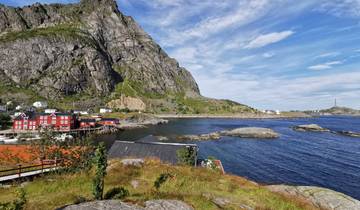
88, 53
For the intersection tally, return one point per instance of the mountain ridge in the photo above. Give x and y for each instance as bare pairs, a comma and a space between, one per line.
90, 49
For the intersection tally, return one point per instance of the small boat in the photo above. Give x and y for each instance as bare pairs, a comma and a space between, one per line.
10, 141
64, 137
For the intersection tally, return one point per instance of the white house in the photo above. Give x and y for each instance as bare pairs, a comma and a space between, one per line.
18, 107
50, 111
105, 110
2, 108
40, 104
81, 112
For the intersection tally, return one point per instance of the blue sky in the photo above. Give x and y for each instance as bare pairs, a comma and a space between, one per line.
269, 54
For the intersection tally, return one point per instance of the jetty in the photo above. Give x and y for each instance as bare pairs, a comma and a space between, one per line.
21, 172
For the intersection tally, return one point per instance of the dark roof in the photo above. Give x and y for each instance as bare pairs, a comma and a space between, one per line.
30, 115
87, 120
166, 152
109, 119
56, 113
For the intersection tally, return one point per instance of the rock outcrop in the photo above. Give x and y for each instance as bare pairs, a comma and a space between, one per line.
85, 48
251, 132
311, 127
320, 197
349, 133
118, 205
130, 103
202, 137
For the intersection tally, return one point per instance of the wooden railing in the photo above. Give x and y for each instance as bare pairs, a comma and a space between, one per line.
41, 168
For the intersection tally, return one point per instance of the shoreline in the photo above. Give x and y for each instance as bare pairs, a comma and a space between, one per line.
237, 116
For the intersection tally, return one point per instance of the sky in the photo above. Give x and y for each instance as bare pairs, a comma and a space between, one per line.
269, 54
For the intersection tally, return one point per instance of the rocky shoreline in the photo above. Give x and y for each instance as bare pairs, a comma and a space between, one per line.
247, 132
235, 116
320, 197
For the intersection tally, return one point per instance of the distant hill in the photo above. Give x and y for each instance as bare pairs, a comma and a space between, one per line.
336, 110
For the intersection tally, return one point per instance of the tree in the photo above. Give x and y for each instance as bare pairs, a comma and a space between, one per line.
186, 155
100, 163
5, 120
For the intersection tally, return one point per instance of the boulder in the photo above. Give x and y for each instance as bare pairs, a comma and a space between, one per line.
133, 162
319, 197
118, 205
101, 205
311, 127
251, 132
349, 133
166, 205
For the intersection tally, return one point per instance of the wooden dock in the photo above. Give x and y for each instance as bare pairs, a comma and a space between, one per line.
20, 172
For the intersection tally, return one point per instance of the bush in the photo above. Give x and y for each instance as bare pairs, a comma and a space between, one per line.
161, 180
116, 193
5, 121
186, 156
17, 204
100, 163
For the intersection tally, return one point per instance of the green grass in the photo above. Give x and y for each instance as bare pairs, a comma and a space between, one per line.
65, 31
193, 186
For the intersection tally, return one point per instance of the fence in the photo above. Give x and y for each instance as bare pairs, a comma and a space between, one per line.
23, 171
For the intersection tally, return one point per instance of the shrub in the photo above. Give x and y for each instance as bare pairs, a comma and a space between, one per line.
17, 204
100, 162
161, 180
186, 156
116, 193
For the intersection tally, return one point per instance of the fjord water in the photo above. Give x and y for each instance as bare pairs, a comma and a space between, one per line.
297, 158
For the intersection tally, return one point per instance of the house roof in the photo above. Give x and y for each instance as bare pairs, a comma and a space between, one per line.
87, 120
109, 119
166, 152
29, 115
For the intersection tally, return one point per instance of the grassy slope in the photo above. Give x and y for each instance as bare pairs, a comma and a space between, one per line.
188, 185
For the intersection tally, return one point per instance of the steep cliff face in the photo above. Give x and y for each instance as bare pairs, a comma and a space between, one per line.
90, 47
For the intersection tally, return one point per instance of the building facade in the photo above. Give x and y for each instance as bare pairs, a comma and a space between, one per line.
56, 121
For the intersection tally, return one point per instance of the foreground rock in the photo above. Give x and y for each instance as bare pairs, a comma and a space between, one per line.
118, 205
320, 197
349, 133
311, 127
251, 132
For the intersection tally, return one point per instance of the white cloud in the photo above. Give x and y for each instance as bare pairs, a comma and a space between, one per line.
340, 8
328, 65
328, 54
268, 55
267, 39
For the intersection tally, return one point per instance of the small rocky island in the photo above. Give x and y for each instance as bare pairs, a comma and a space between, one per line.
248, 132
311, 128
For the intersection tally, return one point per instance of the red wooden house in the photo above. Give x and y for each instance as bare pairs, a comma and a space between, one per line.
109, 121
25, 121
33, 121
58, 121
87, 123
